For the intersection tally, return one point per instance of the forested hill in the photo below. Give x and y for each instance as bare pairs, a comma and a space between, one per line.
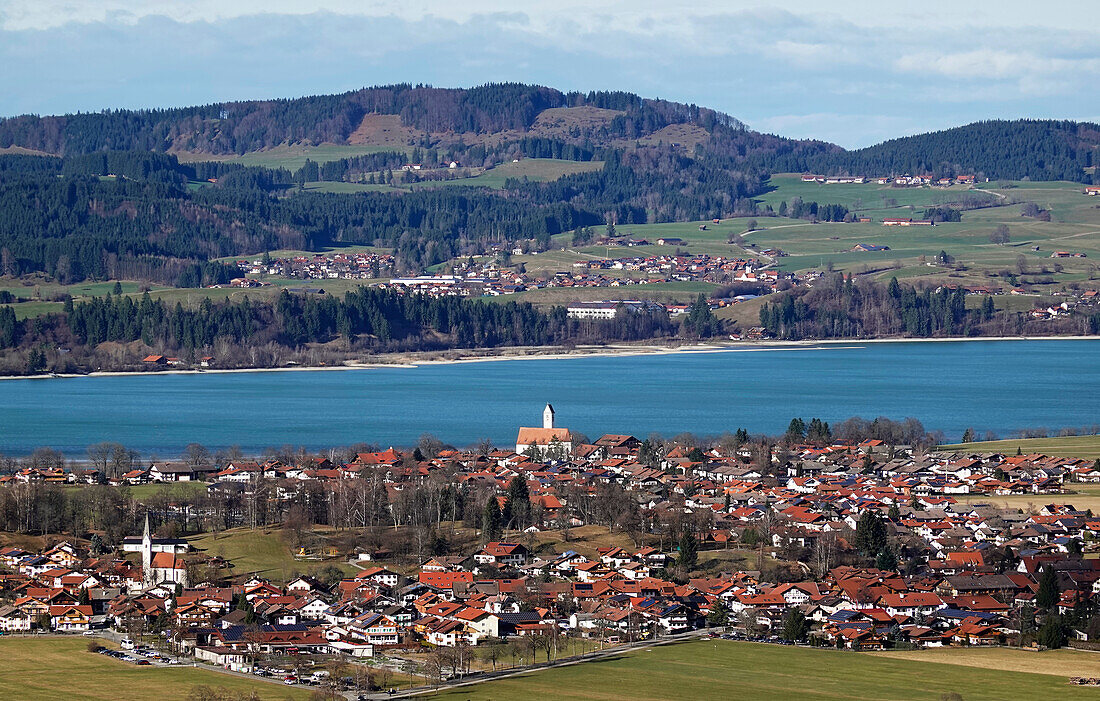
1011, 150
425, 114
572, 125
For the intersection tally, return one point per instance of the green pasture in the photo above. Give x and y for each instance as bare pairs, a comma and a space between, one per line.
720, 669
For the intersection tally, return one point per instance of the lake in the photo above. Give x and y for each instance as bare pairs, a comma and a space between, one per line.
1000, 386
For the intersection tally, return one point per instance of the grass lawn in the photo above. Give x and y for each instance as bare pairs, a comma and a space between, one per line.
292, 157
1074, 226
45, 669
30, 310
726, 670
682, 292
38, 294
1085, 496
262, 552
1067, 446
142, 492
342, 188
1064, 662
535, 169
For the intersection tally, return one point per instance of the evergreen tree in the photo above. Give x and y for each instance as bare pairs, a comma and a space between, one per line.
795, 625
719, 614
1053, 633
796, 429
1048, 593
870, 534
688, 556
700, 321
491, 526
886, 560
818, 431
517, 506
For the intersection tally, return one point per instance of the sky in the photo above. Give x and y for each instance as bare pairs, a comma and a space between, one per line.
854, 72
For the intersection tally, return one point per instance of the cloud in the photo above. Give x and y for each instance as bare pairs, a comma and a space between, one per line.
996, 64
636, 16
799, 68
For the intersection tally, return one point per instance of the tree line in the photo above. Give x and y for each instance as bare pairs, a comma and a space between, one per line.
365, 320
839, 306
1019, 149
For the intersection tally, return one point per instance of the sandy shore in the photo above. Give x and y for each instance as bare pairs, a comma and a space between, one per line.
414, 360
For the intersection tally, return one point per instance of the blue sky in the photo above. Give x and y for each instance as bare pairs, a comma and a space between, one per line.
853, 72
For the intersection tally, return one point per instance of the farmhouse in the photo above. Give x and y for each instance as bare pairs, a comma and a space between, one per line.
868, 248
506, 554
897, 221
669, 241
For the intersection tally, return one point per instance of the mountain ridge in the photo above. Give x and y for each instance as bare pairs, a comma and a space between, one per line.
455, 119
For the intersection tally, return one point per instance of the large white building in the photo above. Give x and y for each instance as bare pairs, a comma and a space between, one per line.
609, 309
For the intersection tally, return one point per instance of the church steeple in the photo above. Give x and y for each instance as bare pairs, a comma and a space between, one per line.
147, 553
548, 416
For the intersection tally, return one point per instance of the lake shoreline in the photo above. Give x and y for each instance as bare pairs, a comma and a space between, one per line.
412, 360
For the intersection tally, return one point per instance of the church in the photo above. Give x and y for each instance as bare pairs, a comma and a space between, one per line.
164, 567
546, 440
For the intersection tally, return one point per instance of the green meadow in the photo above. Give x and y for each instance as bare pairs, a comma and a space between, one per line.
719, 669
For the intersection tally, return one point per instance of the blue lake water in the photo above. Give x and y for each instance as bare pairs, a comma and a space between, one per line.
990, 385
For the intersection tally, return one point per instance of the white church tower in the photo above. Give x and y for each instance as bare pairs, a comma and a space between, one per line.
147, 554
548, 416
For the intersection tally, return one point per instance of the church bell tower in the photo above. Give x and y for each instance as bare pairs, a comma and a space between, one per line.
548, 416
147, 553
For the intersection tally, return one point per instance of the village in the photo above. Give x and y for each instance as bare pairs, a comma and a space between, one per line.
489, 278
864, 545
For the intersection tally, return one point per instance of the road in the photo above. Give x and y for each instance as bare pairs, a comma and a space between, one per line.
476, 678
505, 674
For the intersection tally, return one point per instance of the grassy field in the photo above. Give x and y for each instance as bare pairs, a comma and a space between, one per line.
726, 670
1063, 663
1074, 226
45, 669
143, 492
39, 294
342, 188
262, 551
1085, 496
1068, 446
291, 157
681, 292
536, 169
